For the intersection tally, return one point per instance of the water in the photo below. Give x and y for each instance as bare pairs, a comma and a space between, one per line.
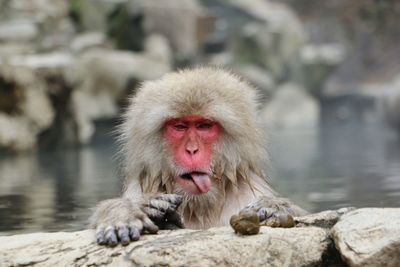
340, 165
55, 190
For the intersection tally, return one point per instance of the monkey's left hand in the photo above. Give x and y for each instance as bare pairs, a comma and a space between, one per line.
275, 212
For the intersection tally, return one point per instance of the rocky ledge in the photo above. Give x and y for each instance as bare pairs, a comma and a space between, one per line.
363, 237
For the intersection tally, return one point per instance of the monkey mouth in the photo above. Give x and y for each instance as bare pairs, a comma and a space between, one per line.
201, 180
189, 175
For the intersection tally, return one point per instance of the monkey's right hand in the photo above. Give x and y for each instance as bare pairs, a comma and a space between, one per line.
121, 220
161, 209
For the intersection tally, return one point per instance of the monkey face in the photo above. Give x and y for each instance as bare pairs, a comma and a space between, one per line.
191, 139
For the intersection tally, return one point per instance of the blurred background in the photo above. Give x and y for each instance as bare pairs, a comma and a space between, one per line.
327, 72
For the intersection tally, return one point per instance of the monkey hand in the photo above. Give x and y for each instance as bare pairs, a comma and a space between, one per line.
120, 220
161, 209
275, 212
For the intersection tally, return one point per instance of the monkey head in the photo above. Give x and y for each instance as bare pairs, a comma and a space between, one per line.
205, 121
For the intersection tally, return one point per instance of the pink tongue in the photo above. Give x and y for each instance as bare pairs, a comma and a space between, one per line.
202, 181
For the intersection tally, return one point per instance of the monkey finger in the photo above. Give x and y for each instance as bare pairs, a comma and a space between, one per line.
149, 226
123, 234
134, 233
171, 198
137, 224
110, 236
161, 205
154, 213
100, 239
265, 213
253, 206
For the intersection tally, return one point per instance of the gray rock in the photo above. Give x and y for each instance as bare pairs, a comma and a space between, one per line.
25, 109
43, 24
93, 14
274, 40
102, 81
48, 61
213, 247
291, 107
319, 61
18, 30
369, 237
182, 17
259, 77
88, 40
324, 219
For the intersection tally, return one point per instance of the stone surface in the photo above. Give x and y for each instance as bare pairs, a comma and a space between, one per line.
25, 109
369, 237
102, 82
18, 30
258, 77
182, 17
274, 40
213, 247
364, 237
88, 40
291, 107
318, 62
324, 219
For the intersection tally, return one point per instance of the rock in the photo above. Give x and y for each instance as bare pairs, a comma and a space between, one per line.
25, 109
319, 61
18, 31
43, 25
259, 77
213, 247
44, 61
273, 40
92, 15
7, 49
182, 18
324, 219
15, 133
109, 70
364, 237
369, 237
327, 54
37, 10
291, 107
87, 40
104, 77
150, 16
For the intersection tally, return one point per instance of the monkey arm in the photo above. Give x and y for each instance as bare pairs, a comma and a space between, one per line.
124, 220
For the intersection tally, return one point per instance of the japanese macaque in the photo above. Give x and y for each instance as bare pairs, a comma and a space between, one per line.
193, 154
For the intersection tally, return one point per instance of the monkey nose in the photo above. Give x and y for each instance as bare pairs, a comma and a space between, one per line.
192, 148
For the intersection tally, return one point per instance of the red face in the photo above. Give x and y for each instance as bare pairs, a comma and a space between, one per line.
192, 139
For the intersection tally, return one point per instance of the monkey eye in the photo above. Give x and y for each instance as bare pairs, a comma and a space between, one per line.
204, 125
180, 126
